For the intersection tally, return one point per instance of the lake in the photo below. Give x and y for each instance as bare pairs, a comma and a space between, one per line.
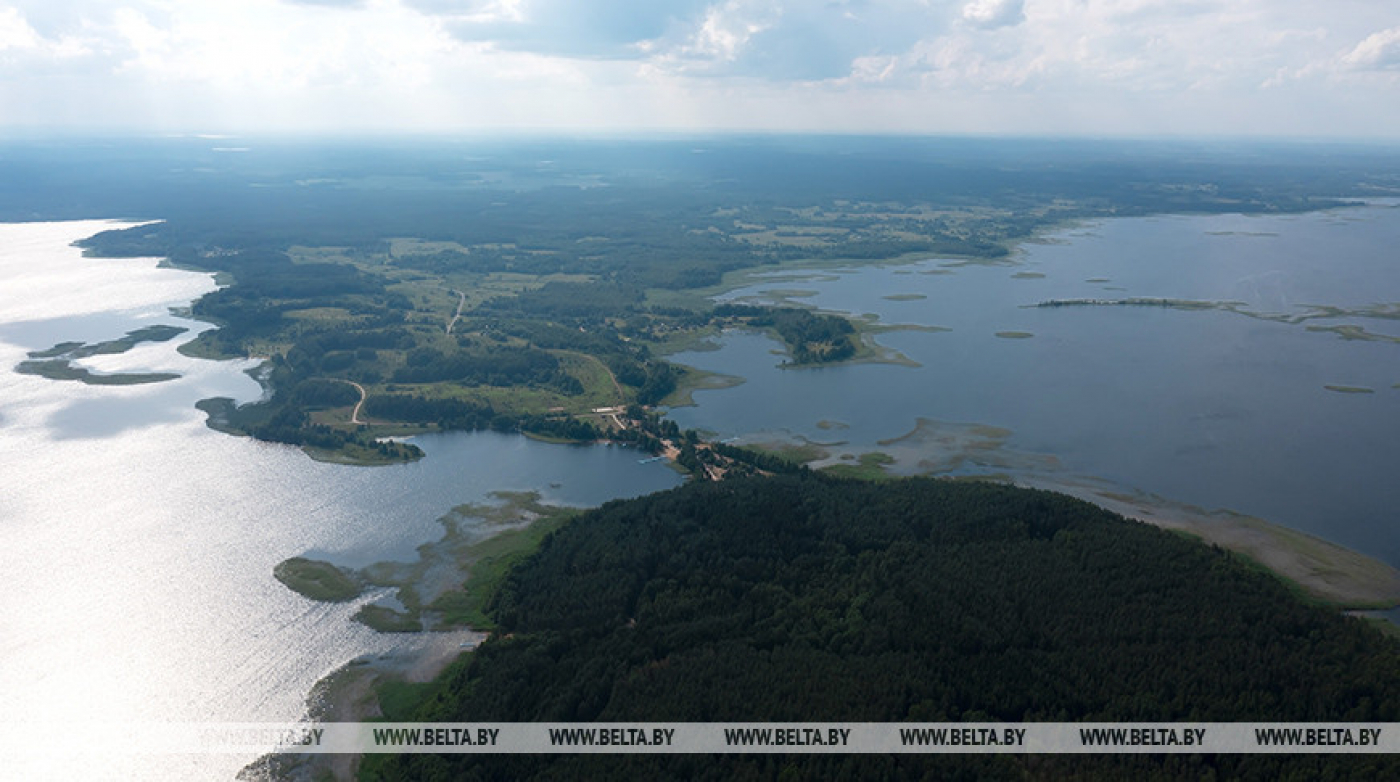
137, 545
1213, 408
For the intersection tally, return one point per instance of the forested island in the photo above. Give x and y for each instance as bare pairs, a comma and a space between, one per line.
808, 598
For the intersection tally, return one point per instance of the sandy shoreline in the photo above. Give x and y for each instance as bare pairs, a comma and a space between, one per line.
348, 694
1323, 570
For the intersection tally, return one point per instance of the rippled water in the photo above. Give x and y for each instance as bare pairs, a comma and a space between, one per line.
137, 546
1211, 408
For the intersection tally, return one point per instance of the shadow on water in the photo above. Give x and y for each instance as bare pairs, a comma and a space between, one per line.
44, 333
100, 419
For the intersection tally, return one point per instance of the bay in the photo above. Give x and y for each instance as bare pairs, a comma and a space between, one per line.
137, 545
1219, 409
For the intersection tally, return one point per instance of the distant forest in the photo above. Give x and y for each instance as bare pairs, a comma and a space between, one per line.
808, 598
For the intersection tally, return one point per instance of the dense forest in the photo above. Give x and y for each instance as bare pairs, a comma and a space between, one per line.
808, 598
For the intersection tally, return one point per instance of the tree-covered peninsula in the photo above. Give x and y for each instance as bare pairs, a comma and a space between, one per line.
807, 598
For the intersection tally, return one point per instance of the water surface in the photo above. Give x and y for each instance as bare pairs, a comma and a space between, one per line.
137, 545
1211, 408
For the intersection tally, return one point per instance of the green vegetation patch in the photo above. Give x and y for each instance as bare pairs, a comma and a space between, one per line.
158, 333
1174, 304
1356, 333
380, 452
904, 297
869, 466
62, 348
56, 363
803, 452
453, 579
387, 620
810, 337
63, 369
491, 561
692, 380
321, 314
318, 580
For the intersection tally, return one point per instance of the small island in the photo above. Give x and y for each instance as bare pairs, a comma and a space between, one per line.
63, 369
318, 580
56, 363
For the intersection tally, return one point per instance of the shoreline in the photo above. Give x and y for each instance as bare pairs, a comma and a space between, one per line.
1312, 565
349, 687
1319, 570
351, 693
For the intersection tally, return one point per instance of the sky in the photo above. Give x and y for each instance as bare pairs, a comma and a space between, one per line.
1295, 68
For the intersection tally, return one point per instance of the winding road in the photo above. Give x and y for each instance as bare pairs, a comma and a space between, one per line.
461, 304
355, 414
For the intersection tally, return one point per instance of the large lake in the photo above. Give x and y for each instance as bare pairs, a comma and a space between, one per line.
1214, 408
137, 546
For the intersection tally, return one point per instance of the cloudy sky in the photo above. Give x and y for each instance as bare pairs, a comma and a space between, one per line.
1085, 67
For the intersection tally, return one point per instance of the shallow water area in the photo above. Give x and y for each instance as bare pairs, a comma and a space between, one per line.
1218, 408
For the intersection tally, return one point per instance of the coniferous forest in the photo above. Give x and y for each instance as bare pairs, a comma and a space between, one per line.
808, 598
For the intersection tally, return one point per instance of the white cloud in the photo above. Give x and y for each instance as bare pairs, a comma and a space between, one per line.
723, 37
1379, 51
19, 37
15, 32
783, 42
994, 13
906, 65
